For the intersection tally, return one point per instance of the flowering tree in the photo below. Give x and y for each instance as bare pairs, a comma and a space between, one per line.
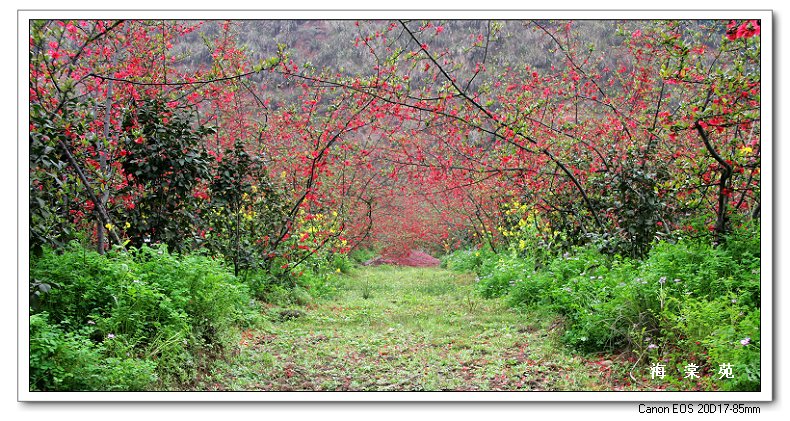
437, 136
604, 145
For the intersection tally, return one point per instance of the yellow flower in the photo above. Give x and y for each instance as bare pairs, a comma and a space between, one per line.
109, 226
127, 225
745, 150
337, 270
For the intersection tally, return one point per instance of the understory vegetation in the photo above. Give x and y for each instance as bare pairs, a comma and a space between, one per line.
147, 319
686, 302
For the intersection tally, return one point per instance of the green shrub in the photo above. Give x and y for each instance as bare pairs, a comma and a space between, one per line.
719, 331
68, 361
743, 243
685, 301
497, 275
362, 255
739, 344
324, 285
156, 306
530, 289
320, 278
466, 260
341, 262
259, 282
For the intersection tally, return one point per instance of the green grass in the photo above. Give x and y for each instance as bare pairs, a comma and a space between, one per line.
406, 329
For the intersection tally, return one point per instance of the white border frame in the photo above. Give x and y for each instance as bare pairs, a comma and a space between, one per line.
767, 288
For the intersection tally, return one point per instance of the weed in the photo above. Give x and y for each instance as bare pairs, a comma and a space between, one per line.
470, 302
367, 291
686, 300
144, 309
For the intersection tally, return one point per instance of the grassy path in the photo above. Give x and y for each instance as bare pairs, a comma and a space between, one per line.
404, 329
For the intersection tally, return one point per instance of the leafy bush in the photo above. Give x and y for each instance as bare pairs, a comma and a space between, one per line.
530, 289
721, 331
163, 182
155, 306
316, 277
496, 276
685, 300
466, 260
323, 285
341, 263
63, 361
361, 255
245, 207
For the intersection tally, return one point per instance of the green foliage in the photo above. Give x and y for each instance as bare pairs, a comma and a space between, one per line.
496, 276
686, 301
68, 361
146, 303
341, 263
246, 212
281, 296
721, 331
497, 273
321, 285
318, 276
361, 255
308, 286
466, 260
633, 191
166, 161
52, 183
